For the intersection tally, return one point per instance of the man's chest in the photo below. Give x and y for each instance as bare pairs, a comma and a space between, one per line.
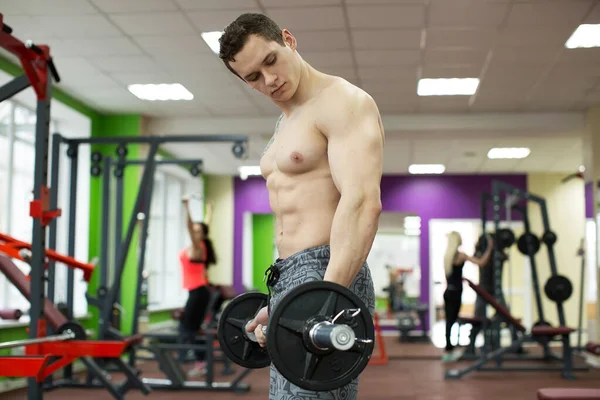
297, 146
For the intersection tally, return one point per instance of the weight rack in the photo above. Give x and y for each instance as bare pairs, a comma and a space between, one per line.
40, 73
499, 187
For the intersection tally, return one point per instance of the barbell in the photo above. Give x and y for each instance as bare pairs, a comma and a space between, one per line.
67, 335
320, 336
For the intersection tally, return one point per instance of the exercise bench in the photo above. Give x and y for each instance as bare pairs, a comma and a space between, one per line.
537, 332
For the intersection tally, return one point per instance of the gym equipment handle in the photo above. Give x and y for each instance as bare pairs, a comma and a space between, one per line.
26, 342
325, 335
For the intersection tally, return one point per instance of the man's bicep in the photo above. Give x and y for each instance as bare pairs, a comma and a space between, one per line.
356, 150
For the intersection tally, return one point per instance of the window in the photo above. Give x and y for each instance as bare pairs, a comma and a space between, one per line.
17, 153
167, 235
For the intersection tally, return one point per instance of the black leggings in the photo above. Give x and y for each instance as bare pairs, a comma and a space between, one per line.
452, 304
193, 316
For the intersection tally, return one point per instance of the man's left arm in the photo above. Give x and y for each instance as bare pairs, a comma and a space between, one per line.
355, 151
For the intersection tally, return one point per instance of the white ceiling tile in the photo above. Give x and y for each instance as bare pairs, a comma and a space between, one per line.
178, 108
386, 39
215, 4
84, 26
88, 81
153, 23
375, 58
384, 2
127, 6
562, 91
443, 103
594, 16
10, 8
113, 93
514, 77
454, 57
111, 46
29, 28
441, 71
475, 38
394, 89
142, 64
525, 57
214, 80
173, 45
306, 18
549, 13
217, 20
129, 78
52, 8
524, 36
191, 65
579, 58
328, 59
370, 73
322, 40
382, 17
299, 3
79, 72
227, 109
465, 13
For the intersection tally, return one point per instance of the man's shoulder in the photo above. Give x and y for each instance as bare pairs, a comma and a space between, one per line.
344, 99
345, 92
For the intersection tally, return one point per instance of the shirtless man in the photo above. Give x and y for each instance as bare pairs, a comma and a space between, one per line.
322, 168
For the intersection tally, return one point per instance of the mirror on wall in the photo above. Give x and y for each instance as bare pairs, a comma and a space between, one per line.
394, 261
516, 279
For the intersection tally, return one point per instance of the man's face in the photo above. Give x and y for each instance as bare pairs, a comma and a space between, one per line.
268, 67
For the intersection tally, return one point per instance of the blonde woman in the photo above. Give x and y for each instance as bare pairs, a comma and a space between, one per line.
454, 260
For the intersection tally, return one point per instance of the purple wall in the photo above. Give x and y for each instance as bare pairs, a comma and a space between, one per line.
589, 200
430, 197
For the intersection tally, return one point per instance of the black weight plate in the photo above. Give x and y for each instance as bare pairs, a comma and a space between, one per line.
232, 335
75, 327
327, 370
549, 238
558, 288
543, 340
532, 240
506, 237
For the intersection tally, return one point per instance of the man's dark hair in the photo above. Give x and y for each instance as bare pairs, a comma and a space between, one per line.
237, 33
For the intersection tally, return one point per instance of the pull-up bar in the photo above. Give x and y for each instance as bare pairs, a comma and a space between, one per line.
35, 60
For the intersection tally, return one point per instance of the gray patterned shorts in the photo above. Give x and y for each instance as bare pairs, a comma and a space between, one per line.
306, 266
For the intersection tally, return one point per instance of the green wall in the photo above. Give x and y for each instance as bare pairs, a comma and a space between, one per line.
263, 232
111, 126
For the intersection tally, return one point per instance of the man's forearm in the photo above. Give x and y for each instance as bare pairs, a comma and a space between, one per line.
352, 232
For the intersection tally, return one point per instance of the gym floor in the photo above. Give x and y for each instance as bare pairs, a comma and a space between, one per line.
404, 377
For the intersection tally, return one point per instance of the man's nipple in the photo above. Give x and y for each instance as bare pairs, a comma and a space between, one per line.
296, 157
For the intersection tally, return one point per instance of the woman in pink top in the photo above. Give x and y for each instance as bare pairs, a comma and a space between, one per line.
195, 260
